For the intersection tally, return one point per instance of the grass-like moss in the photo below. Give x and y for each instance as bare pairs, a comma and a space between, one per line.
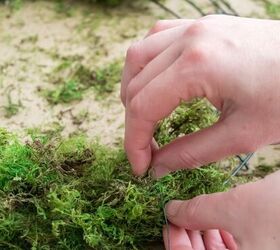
72, 193
72, 79
187, 118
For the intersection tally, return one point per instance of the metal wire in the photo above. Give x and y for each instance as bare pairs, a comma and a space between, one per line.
217, 6
243, 163
196, 7
167, 229
230, 8
170, 11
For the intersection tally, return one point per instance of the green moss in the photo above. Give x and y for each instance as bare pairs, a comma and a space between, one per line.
79, 118
73, 79
66, 92
12, 107
13, 4
272, 9
263, 170
81, 195
106, 79
73, 193
111, 2
186, 119
64, 7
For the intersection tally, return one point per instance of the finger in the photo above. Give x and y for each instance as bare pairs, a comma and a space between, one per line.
176, 238
147, 107
144, 51
167, 24
196, 239
153, 69
228, 240
213, 240
204, 212
207, 145
154, 145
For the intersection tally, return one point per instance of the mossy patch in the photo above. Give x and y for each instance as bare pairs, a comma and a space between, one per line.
263, 170
12, 107
73, 79
73, 193
189, 117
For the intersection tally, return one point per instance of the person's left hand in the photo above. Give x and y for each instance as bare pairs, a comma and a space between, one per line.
181, 239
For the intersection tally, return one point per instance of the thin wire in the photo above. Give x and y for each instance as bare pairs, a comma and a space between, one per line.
167, 229
201, 12
173, 13
241, 159
218, 8
239, 167
227, 4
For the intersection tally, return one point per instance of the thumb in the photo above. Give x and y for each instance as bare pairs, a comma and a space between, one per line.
207, 145
214, 211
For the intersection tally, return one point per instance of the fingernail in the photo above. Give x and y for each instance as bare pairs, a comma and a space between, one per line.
172, 207
158, 172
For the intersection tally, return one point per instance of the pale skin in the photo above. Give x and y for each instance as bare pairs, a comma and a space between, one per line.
235, 64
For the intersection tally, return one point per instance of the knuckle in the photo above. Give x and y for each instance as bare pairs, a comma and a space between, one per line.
196, 54
188, 160
196, 29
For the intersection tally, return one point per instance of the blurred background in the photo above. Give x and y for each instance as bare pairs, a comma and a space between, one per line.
61, 61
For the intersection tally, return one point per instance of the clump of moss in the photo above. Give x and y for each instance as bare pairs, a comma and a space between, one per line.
189, 117
73, 79
106, 78
66, 92
71, 193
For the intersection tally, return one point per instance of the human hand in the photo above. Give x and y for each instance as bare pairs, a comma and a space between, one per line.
180, 239
249, 212
233, 62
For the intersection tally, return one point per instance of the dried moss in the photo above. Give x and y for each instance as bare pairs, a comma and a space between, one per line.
71, 193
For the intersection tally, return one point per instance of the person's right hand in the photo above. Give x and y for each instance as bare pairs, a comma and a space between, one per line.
233, 62
250, 213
